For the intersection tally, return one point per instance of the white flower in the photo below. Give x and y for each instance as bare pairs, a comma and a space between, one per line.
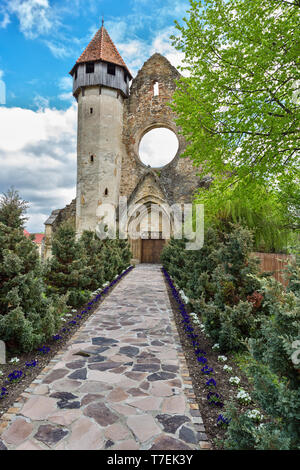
184, 297
222, 358
255, 415
68, 315
14, 360
1, 373
227, 368
243, 397
234, 380
216, 346
74, 310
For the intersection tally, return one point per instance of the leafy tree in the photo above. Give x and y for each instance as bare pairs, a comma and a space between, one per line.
27, 316
262, 211
239, 106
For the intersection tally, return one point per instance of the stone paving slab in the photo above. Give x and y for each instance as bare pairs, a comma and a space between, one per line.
129, 390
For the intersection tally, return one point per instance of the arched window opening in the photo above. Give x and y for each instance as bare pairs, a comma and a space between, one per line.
106, 192
156, 89
158, 147
92, 158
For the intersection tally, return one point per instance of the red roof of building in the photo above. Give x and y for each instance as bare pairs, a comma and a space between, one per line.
102, 48
38, 237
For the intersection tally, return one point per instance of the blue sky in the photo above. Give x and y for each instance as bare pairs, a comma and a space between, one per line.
40, 40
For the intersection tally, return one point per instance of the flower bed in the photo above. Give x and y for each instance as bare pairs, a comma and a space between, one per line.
19, 372
216, 379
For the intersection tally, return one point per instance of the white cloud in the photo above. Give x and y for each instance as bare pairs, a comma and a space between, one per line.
58, 50
5, 20
66, 96
65, 83
158, 147
41, 102
162, 44
36, 16
38, 157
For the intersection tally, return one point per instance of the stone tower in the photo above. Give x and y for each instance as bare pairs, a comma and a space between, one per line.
100, 85
113, 117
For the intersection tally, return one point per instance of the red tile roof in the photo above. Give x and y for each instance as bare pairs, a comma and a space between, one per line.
102, 48
38, 237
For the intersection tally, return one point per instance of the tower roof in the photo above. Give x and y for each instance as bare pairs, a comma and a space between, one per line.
101, 48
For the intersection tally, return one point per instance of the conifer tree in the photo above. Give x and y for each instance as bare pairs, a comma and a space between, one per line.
67, 271
95, 258
27, 316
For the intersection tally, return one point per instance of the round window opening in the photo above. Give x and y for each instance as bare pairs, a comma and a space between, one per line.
158, 147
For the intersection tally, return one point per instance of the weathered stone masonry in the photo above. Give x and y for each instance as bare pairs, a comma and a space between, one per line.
112, 119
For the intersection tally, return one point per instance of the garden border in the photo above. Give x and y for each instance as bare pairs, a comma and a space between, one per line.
17, 403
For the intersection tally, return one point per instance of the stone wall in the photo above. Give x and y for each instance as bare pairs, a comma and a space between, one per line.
142, 112
56, 218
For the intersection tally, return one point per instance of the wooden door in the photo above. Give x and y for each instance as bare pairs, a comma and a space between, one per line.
151, 251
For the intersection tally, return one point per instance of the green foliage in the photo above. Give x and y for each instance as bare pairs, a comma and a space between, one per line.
13, 209
67, 271
219, 282
244, 434
274, 371
27, 316
239, 107
80, 267
260, 210
105, 258
293, 275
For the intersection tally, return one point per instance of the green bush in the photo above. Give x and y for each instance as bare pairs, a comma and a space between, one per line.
219, 281
67, 271
274, 374
27, 316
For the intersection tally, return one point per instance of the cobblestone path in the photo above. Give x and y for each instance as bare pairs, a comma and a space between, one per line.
129, 390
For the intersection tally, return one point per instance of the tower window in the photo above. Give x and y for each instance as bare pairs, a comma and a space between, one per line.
156, 89
92, 158
111, 69
91, 110
106, 192
90, 68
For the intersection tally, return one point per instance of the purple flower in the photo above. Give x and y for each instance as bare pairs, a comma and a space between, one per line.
56, 337
206, 370
211, 382
199, 351
221, 421
15, 375
31, 364
215, 399
202, 359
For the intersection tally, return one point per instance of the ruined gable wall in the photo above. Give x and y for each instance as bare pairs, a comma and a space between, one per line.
142, 112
